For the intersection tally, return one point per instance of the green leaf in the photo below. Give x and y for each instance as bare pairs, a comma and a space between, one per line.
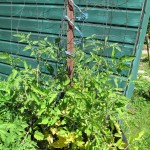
118, 135
127, 58
70, 93
41, 111
89, 59
80, 143
53, 96
28, 36
36, 99
22, 40
119, 142
43, 121
25, 65
38, 136
139, 136
62, 132
117, 126
28, 47
35, 42
4, 56
123, 145
14, 74
54, 120
38, 90
116, 82
63, 122
3, 135
66, 82
50, 69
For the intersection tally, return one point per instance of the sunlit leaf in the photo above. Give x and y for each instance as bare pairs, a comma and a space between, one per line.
38, 135
4, 56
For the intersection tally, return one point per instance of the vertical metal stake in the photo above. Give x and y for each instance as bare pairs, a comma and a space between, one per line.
70, 37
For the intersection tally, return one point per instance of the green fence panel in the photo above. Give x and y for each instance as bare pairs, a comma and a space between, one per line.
123, 22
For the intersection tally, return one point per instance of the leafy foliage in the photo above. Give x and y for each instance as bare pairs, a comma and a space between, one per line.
137, 121
55, 111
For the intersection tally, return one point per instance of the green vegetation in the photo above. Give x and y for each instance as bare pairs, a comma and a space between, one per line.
138, 120
53, 111
148, 29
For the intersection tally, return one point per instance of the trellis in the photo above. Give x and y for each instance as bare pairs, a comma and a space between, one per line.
123, 22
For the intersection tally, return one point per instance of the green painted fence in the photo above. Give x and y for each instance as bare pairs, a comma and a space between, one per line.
122, 21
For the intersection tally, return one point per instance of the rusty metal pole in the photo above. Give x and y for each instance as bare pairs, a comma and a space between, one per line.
70, 37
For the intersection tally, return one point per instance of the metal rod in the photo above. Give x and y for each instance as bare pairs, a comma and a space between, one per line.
70, 37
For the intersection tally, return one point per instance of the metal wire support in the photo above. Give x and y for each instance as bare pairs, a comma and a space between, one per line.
69, 54
83, 15
72, 24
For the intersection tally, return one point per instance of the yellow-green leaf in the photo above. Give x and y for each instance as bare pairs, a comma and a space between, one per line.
38, 136
61, 143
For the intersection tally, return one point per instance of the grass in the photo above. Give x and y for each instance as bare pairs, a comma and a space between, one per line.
144, 65
137, 122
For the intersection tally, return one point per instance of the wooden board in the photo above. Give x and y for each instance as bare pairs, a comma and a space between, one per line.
136, 4
117, 34
54, 12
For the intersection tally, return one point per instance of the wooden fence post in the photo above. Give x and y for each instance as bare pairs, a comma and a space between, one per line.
70, 36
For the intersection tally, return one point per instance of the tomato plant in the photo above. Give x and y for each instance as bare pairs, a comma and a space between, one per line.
58, 112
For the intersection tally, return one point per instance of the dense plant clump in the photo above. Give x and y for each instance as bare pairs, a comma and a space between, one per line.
52, 111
